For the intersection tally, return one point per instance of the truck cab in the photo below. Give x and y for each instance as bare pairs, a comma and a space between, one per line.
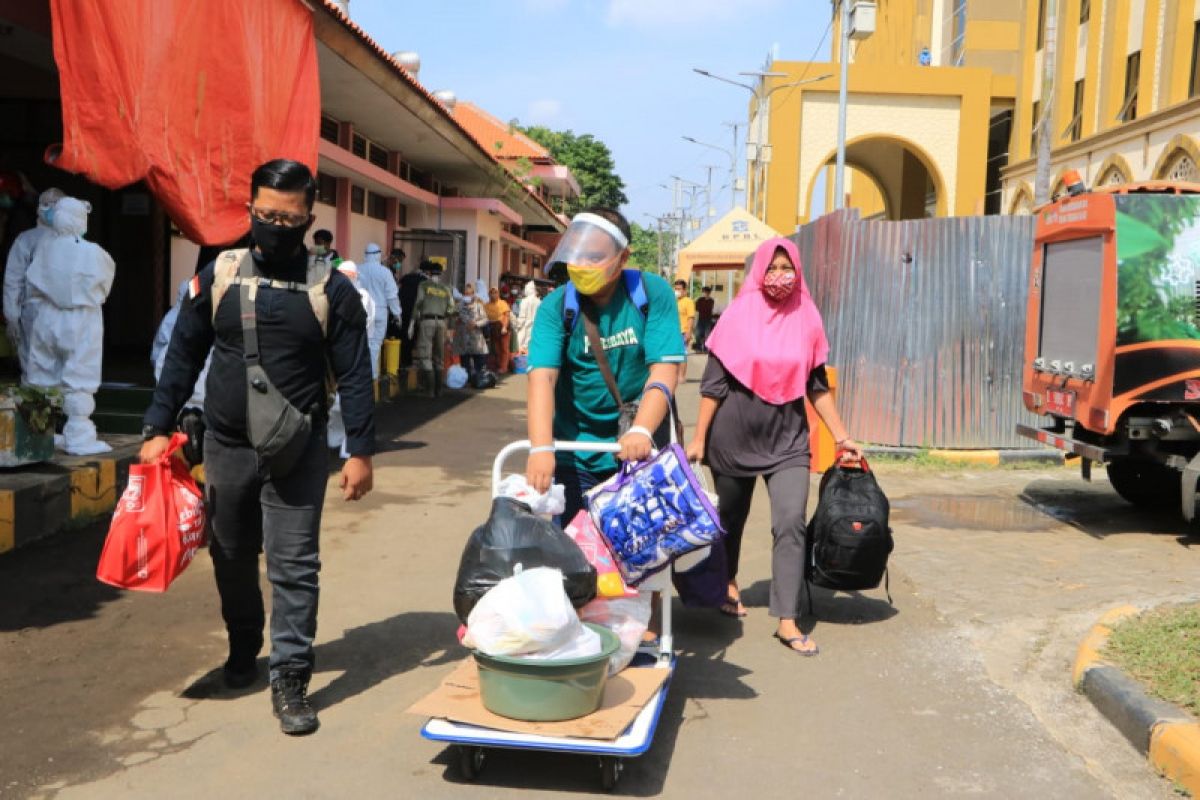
1112, 337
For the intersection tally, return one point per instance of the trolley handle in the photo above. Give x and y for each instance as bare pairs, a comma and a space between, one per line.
559, 446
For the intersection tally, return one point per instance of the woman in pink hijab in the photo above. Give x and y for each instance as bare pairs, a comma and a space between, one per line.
766, 354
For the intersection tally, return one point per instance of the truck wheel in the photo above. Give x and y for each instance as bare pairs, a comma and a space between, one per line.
1146, 484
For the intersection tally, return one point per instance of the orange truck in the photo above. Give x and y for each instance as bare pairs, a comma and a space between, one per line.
1112, 337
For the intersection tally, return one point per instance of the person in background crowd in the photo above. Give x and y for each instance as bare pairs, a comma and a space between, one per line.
470, 330
705, 305
499, 314
766, 355
410, 283
526, 313
377, 280
191, 419
430, 311
568, 398
687, 320
250, 508
18, 311
323, 248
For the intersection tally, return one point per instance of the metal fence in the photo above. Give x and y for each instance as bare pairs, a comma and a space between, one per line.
926, 323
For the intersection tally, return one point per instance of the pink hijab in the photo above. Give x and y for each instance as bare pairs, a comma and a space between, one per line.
771, 347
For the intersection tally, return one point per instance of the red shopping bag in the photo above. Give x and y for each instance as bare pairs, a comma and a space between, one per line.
157, 527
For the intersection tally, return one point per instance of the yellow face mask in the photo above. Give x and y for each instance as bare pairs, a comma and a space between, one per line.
589, 280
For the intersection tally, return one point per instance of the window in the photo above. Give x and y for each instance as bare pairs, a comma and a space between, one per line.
1133, 70
959, 39
1195, 82
1075, 127
358, 146
1041, 24
358, 199
1085, 11
402, 215
326, 189
402, 169
1037, 119
377, 155
376, 206
329, 129
1182, 168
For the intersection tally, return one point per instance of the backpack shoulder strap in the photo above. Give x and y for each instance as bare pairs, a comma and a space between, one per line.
570, 309
636, 288
228, 265
317, 279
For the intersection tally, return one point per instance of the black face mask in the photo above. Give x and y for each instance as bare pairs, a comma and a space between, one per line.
277, 243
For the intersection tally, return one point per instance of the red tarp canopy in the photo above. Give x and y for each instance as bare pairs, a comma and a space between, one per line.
189, 96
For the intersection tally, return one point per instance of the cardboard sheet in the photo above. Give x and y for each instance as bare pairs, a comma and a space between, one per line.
626, 694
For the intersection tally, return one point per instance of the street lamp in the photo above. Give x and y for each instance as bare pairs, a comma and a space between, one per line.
864, 27
732, 164
760, 98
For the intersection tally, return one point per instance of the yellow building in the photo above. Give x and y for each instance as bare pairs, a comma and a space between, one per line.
931, 98
1126, 94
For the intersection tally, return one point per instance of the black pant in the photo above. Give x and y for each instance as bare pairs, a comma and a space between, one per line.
788, 490
251, 511
474, 363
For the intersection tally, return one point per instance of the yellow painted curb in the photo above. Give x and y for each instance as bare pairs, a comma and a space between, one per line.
93, 489
1088, 654
988, 457
1175, 752
8, 519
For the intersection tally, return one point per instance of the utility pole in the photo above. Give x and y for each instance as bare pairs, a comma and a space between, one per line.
1045, 125
733, 170
839, 175
708, 198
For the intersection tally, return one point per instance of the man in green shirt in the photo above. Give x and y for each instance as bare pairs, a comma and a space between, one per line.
638, 325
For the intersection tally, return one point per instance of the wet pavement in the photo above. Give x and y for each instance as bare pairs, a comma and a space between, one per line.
961, 687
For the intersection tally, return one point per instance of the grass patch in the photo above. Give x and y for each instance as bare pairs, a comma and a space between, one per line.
1161, 649
925, 460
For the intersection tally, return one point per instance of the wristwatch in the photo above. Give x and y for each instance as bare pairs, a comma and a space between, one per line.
152, 432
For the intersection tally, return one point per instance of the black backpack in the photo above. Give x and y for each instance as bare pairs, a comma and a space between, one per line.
849, 535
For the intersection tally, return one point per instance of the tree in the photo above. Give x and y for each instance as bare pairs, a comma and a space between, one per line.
590, 160
646, 254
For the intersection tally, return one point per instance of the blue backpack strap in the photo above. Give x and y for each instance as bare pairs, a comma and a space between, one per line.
570, 309
637, 290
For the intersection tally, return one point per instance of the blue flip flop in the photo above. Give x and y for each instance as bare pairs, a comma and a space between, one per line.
802, 639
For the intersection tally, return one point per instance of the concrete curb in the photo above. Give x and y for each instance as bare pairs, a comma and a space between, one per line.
992, 457
1166, 734
47, 499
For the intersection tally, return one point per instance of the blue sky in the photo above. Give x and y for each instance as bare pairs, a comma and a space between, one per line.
618, 69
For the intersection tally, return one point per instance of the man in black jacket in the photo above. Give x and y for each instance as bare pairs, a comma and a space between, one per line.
251, 507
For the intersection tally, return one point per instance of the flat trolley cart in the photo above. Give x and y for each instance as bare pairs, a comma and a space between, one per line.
473, 743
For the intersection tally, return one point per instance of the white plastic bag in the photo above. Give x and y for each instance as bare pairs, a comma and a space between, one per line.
627, 617
527, 613
551, 504
586, 642
456, 377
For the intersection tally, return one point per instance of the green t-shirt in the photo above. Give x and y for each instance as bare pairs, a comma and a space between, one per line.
584, 409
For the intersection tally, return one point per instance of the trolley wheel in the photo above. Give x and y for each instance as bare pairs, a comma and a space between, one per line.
610, 772
470, 761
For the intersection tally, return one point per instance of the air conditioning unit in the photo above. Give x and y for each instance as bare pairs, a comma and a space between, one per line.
862, 19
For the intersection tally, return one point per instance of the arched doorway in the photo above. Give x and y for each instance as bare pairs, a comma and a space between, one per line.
901, 174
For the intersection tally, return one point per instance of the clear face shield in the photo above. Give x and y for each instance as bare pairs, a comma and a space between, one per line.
591, 252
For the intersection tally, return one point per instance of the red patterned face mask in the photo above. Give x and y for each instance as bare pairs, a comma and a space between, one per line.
777, 286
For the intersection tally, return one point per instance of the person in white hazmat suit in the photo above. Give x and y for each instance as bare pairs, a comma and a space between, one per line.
335, 432
69, 279
526, 313
378, 280
18, 311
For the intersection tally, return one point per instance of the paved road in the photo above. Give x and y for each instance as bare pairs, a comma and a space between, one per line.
960, 688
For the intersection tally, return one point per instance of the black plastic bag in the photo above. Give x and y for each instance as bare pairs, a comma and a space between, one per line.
515, 535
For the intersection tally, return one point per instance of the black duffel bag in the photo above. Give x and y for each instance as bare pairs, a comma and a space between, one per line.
515, 535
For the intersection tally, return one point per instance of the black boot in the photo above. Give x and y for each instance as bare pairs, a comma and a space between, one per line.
241, 668
289, 701
437, 383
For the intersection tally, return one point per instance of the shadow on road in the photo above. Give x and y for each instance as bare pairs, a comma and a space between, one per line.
54, 580
1097, 510
837, 608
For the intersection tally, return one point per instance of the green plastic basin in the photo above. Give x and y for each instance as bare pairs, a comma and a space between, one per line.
546, 691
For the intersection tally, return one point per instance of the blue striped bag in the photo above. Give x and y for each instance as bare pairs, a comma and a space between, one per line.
652, 512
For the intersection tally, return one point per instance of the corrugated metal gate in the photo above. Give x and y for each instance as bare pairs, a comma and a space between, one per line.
926, 321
